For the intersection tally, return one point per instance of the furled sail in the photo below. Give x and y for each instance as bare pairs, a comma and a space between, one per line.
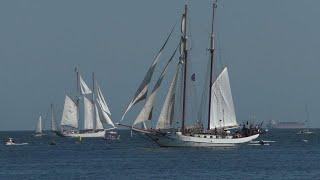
147, 108
98, 121
88, 113
84, 87
142, 91
222, 107
165, 118
70, 114
39, 125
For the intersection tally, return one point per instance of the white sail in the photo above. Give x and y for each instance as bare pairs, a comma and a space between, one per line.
102, 101
222, 107
164, 121
98, 121
70, 114
104, 116
88, 113
142, 91
39, 125
84, 87
145, 113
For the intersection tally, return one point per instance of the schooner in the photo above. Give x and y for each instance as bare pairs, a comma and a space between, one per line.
95, 112
222, 127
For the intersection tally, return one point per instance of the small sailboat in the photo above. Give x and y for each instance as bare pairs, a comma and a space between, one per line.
38, 132
222, 130
95, 112
306, 130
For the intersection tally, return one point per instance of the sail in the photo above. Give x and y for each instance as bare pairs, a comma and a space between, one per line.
148, 106
98, 121
102, 101
53, 122
222, 107
165, 118
70, 114
104, 117
142, 91
88, 113
84, 87
39, 125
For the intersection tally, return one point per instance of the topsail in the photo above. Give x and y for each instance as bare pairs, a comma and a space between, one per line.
84, 87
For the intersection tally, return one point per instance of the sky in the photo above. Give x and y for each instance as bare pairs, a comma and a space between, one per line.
271, 48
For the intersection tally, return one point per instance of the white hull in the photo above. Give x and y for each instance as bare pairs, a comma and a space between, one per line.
15, 144
201, 140
85, 134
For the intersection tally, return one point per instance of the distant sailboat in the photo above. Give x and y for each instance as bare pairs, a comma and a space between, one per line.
306, 130
94, 116
221, 112
38, 131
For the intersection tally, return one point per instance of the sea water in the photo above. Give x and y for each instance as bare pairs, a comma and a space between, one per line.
291, 156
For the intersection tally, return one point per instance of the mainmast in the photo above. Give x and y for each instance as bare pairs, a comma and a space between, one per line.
184, 57
78, 91
212, 52
93, 102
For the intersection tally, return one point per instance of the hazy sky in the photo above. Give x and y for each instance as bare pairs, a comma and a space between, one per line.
272, 48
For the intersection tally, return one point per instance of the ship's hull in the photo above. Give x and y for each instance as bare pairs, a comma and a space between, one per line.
99, 134
201, 140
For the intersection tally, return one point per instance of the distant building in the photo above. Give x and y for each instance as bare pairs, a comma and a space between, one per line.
287, 125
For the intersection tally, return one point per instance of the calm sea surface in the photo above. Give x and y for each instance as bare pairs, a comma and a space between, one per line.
138, 158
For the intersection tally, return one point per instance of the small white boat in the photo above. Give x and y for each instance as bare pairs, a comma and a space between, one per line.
89, 134
11, 142
305, 131
111, 135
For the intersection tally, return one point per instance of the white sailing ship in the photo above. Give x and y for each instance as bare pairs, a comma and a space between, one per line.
38, 131
95, 113
222, 129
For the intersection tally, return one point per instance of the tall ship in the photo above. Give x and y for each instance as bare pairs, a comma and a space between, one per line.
220, 127
95, 112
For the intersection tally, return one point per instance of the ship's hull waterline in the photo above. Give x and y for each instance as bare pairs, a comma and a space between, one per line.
99, 134
179, 140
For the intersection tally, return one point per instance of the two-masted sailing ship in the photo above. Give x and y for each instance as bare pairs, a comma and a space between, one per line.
222, 127
95, 112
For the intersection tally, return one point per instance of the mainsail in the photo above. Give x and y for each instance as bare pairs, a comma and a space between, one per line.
165, 118
84, 87
222, 109
88, 113
145, 113
39, 125
142, 91
70, 114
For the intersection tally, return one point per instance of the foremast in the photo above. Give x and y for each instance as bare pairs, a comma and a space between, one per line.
212, 53
184, 57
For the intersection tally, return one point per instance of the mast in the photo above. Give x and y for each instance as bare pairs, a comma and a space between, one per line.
185, 56
78, 91
211, 49
53, 128
93, 102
